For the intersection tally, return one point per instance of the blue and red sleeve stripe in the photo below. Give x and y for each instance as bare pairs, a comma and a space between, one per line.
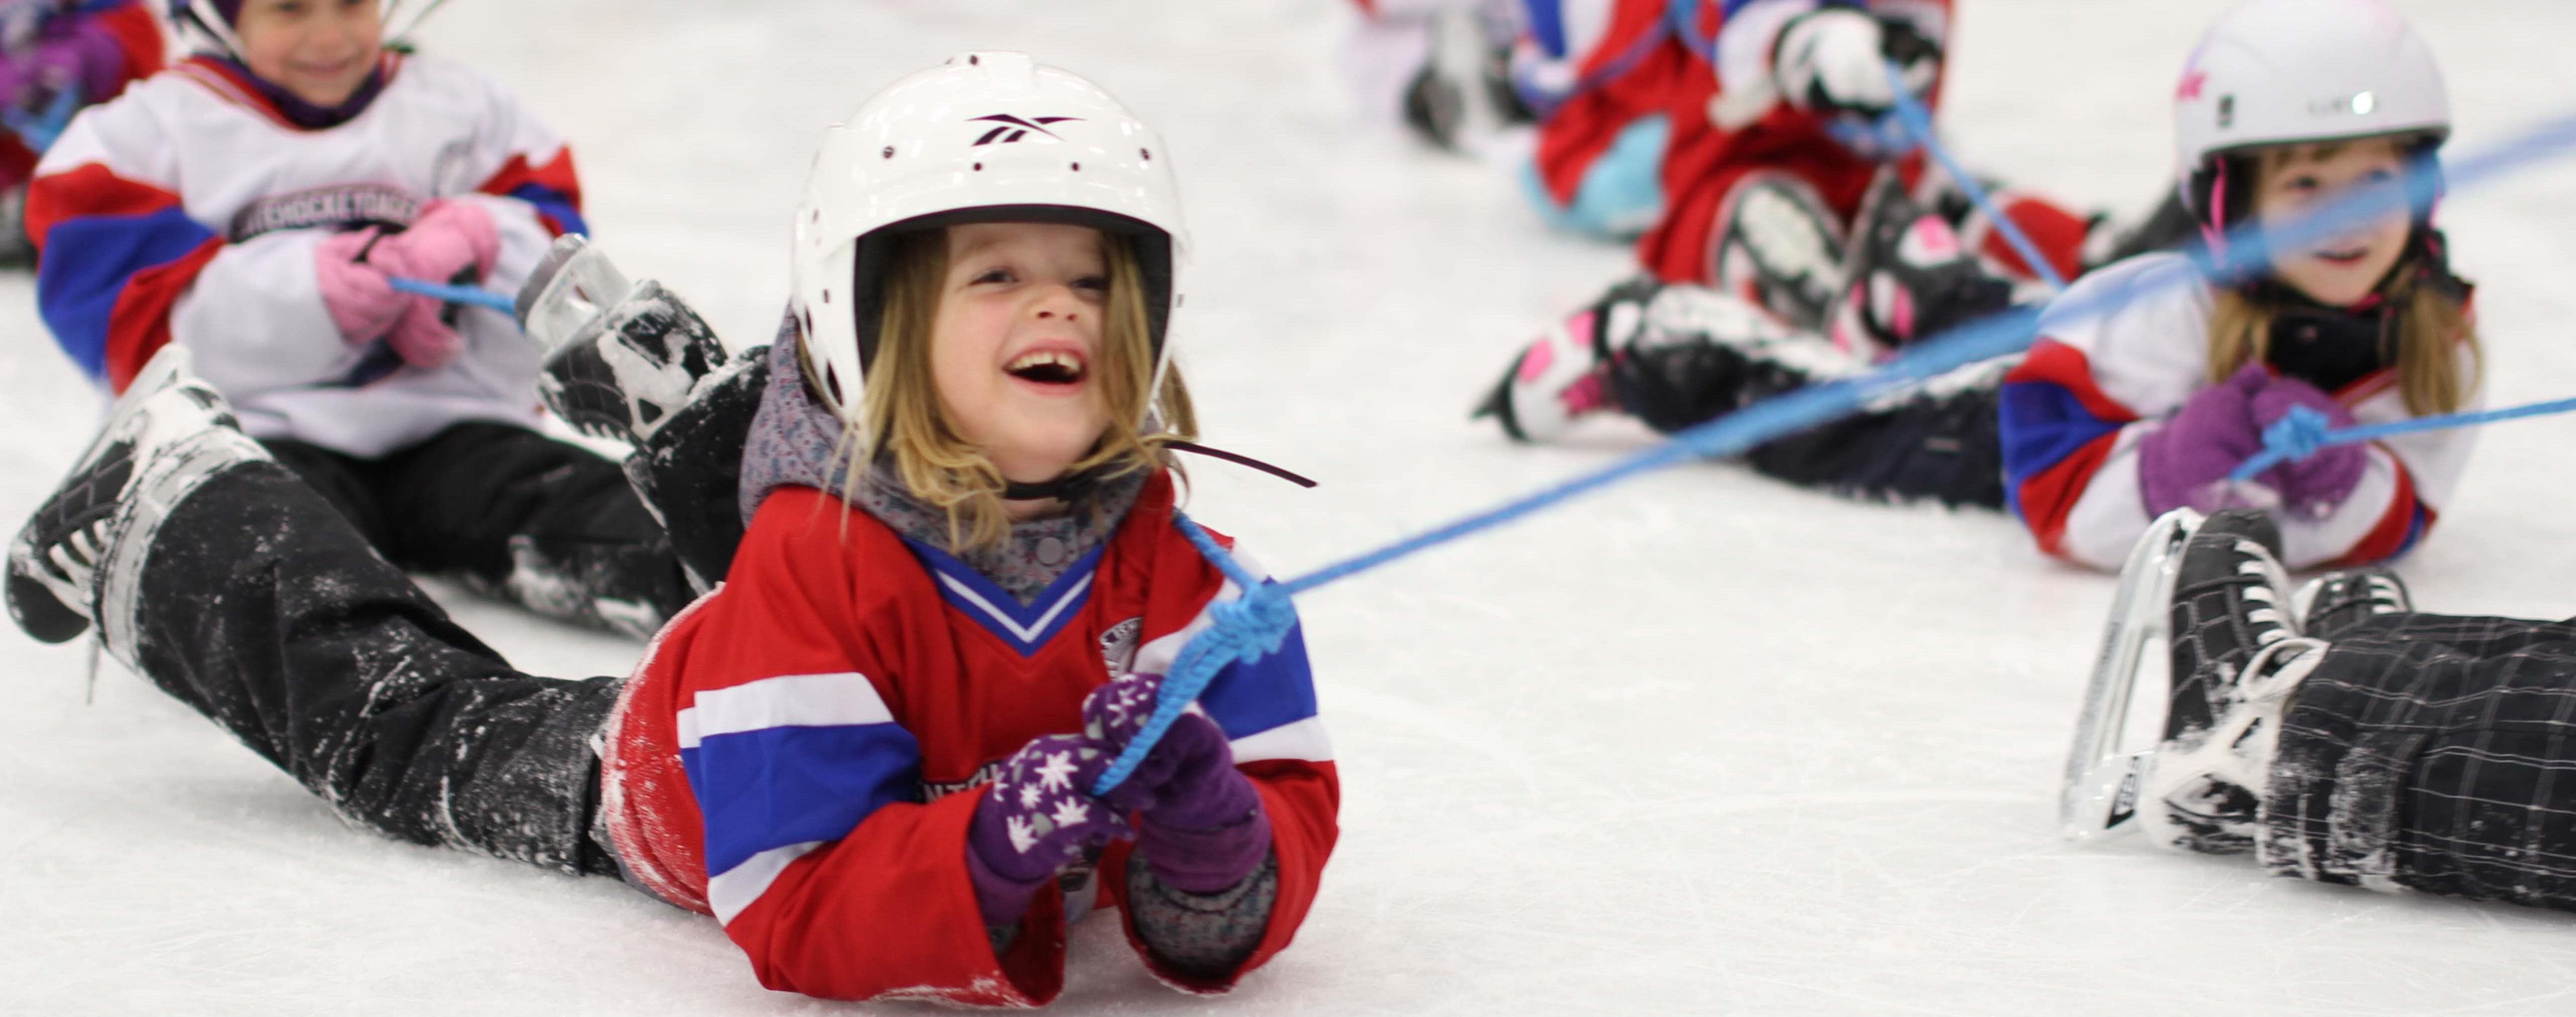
554, 188
2058, 427
113, 257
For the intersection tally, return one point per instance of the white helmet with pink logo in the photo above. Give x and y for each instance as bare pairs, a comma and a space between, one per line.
2276, 72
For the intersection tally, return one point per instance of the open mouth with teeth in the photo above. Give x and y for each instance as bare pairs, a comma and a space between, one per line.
1046, 367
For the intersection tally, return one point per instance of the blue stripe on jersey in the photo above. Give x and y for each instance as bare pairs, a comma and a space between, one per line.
1025, 627
1250, 698
2042, 423
777, 786
553, 204
85, 267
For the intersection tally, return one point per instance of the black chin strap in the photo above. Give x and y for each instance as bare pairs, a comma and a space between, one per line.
1074, 485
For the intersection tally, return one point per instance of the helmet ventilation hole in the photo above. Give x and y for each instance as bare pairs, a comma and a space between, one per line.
1077, 167
974, 60
889, 151
979, 167
1147, 153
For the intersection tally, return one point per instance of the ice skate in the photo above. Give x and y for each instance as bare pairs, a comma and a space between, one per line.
1563, 376
84, 547
1778, 247
2332, 603
2237, 657
1906, 276
1463, 93
621, 358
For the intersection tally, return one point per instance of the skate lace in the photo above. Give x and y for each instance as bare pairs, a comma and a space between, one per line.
2271, 620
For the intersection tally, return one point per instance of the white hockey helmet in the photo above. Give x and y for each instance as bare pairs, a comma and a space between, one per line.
985, 137
2275, 72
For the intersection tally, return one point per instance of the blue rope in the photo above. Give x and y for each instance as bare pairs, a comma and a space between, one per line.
1254, 624
1918, 120
501, 302
2303, 431
1244, 629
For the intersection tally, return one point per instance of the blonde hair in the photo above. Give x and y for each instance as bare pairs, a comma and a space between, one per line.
906, 424
2431, 328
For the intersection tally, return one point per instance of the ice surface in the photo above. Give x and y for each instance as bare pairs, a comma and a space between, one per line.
1704, 743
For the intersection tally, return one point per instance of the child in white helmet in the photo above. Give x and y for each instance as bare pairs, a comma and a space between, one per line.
2117, 416
872, 752
254, 203
2115, 419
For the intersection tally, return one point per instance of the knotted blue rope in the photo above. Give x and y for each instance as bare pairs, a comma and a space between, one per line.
1242, 630
501, 302
1918, 121
2301, 432
1256, 623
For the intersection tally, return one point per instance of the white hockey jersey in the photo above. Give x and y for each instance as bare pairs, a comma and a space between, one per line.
187, 211
2074, 409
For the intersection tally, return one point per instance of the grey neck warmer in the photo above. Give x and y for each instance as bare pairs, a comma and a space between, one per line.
792, 442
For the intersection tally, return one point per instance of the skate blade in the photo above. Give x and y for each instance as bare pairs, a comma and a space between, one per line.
2100, 795
573, 284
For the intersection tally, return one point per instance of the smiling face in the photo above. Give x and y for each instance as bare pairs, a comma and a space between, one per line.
2342, 269
1016, 340
318, 50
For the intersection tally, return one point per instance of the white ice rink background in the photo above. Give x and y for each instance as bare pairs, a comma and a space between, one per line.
1705, 743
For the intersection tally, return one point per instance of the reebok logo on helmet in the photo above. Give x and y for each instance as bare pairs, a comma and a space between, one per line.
1014, 128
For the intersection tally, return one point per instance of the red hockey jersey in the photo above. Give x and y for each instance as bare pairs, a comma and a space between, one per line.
801, 751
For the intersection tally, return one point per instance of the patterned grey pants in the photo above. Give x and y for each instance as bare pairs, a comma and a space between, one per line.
2436, 753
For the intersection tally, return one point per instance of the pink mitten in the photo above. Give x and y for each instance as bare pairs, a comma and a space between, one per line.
361, 302
451, 242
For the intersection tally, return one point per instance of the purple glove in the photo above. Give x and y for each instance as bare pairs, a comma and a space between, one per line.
2318, 484
1200, 824
66, 52
1038, 817
2186, 462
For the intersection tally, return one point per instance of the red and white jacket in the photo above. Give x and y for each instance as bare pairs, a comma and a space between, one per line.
187, 211
2075, 408
801, 752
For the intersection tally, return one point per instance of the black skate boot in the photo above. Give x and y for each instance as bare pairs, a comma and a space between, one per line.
2237, 655
1777, 245
1463, 93
2337, 601
78, 559
1563, 375
1702, 354
621, 359
1905, 276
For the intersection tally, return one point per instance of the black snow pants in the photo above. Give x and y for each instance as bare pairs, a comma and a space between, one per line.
1933, 445
263, 608
545, 524
2436, 753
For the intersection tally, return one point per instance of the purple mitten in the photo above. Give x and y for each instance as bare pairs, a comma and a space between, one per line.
1038, 817
1200, 825
2316, 485
2186, 462
64, 53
